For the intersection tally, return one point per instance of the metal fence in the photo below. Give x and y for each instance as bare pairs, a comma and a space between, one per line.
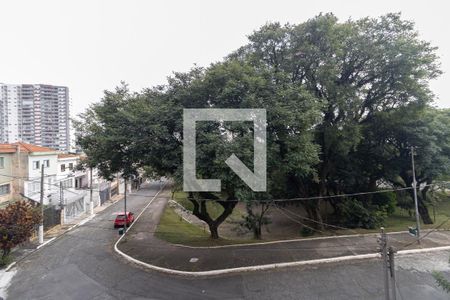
52, 217
104, 195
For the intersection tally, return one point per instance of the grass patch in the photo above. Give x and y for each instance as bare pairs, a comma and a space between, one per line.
173, 229
400, 220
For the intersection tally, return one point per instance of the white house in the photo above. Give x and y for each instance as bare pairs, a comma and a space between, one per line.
66, 169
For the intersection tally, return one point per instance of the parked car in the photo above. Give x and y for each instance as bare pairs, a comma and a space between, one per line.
120, 219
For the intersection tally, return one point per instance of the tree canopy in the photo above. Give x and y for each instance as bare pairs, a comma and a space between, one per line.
344, 101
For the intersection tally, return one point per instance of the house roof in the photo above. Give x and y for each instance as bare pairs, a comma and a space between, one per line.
7, 148
24, 147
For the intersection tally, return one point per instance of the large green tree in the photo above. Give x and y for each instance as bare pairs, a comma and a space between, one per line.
357, 69
326, 86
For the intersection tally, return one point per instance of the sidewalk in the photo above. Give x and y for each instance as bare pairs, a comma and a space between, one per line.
29, 247
141, 245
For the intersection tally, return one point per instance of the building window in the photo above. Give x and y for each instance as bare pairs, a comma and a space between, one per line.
36, 165
67, 183
46, 163
2, 162
34, 187
70, 166
4, 189
63, 168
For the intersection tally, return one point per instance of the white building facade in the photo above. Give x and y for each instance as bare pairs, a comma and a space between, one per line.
35, 113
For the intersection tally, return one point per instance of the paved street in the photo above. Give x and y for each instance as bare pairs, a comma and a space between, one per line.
141, 244
83, 265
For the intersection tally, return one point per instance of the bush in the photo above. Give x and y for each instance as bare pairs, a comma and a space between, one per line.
386, 201
354, 215
17, 223
5, 260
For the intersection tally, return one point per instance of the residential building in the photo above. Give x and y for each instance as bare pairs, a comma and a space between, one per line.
37, 114
7, 153
67, 168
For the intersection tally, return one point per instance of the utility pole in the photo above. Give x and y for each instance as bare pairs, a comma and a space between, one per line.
384, 256
388, 266
414, 186
392, 269
125, 207
41, 226
91, 202
63, 204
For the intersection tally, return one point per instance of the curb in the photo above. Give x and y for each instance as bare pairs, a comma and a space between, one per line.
275, 266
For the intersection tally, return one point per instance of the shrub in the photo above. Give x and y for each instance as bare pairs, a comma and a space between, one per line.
354, 215
386, 201
17, 223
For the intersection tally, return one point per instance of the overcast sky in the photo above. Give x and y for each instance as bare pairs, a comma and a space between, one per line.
91, 46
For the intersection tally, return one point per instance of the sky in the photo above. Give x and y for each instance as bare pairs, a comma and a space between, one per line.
90, 46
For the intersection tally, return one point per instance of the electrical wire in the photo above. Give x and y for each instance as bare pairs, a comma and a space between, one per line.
281, 199
315, 197
325, 224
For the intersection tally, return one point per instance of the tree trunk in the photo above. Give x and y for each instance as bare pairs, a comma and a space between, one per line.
214, 230
257, 232
201, 212
318, 214
423, 211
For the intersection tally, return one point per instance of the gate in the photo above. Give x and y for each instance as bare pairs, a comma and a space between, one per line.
52, 217
104, 195
74, 207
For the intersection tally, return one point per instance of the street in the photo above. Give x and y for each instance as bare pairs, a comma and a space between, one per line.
82, 265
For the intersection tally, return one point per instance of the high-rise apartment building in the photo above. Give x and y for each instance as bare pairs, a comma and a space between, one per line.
35, 113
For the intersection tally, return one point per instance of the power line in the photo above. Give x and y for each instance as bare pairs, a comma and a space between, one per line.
325, 224
314, 197
38, 179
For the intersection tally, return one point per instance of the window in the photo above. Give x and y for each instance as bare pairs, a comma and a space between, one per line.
70, 166
46, 163
63, 168
36, 165
67, 183
4, 189
34, 187
2, 162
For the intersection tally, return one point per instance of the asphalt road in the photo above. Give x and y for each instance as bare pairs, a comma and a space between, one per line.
83, 265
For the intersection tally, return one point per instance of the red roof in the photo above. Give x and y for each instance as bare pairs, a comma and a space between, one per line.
24, 147
7, 148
